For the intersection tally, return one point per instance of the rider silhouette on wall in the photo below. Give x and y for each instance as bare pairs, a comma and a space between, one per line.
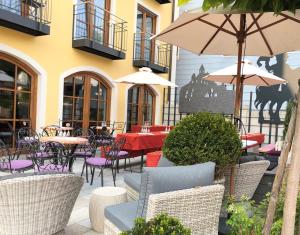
275, 95
200, 95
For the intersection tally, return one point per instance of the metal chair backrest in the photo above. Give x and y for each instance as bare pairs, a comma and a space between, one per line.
112, 152
57, 157
27, 132
119, 127
85, 133
5, 157
51, 130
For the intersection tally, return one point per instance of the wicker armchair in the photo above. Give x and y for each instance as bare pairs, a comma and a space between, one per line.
37, 204
247, 178
197, 208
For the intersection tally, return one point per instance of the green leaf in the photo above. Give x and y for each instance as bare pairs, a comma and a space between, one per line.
183, 2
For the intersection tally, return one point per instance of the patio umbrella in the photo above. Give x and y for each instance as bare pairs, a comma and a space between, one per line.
223, 33
145, 76
250, 75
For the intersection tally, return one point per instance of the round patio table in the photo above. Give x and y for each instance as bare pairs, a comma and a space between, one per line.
66, 140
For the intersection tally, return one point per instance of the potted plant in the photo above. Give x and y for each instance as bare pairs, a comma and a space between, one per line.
203, 137
160, 225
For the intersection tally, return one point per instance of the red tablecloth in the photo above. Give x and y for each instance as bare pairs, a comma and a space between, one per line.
143, 141
269, 149
258, 137
153, 158
138, 128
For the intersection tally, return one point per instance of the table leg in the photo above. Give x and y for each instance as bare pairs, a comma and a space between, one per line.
142, 161
71, 160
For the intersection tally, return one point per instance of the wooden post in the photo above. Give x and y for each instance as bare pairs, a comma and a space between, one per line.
289, 211
239, 90
280, 174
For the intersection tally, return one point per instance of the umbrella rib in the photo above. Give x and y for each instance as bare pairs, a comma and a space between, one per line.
266, 26
178, 26
234, 76
214, 35
216, 26
249, 76
290, 18
253, 23
264, 80
262, 35
231, 23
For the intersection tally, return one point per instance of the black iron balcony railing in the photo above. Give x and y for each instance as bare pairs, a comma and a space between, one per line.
28, 16
98, 31
151, 53
164, 1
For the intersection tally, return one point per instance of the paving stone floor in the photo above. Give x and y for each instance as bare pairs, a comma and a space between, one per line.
79, 223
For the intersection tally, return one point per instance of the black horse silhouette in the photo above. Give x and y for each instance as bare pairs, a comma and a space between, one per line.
275, 95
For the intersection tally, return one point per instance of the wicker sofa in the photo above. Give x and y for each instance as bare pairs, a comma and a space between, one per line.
197, 208
37, 204
185, 192
248, 175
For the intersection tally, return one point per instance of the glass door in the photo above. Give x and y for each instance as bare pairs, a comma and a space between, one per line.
141, 106
17, 99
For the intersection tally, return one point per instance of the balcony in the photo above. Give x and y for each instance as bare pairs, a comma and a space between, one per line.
28, 16
164, 1
151, 53
99, 32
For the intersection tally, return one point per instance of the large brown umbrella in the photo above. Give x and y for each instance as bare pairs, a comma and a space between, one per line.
221, 33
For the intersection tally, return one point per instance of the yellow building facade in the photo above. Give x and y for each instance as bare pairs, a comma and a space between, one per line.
67, 75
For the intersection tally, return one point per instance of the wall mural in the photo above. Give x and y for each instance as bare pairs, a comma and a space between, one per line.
275, 95
200, 95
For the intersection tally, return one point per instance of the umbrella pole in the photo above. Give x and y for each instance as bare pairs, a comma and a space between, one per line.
238, 91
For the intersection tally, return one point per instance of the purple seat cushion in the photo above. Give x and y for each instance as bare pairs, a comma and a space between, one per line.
121, 154
51, 168
79, 153
97, 161
43, 155
16, 165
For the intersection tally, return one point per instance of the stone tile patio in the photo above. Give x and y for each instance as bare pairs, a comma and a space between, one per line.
79, 223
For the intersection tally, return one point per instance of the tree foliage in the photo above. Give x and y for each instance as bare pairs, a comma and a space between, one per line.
250, 5
247, 218
203, 137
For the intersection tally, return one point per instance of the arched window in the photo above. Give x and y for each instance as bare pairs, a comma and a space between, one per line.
86, 100
141, 106
17, 97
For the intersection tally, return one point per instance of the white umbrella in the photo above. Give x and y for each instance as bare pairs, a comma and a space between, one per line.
145, 76
250, 75
223, 33
5, 78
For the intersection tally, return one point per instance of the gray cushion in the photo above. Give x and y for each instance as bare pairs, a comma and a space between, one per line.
133, 180
164, 162
122, 215
166, 179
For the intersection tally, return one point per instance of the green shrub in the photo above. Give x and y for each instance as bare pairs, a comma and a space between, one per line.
246, 218
203, 137
160, 225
